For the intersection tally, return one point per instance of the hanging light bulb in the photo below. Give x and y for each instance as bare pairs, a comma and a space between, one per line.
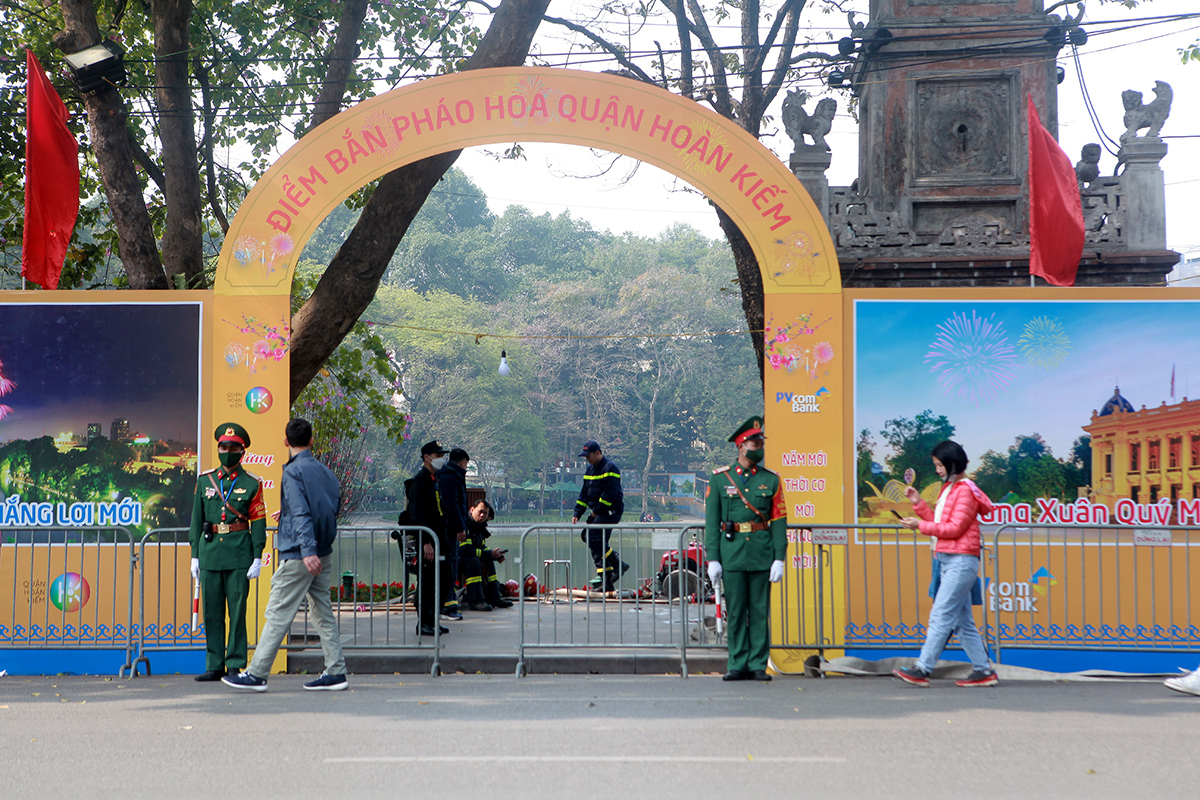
504, 370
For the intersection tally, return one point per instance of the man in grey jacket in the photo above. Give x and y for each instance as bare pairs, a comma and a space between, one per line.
309, 503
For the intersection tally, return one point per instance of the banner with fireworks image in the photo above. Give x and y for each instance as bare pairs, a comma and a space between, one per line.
1014, 382
100, 415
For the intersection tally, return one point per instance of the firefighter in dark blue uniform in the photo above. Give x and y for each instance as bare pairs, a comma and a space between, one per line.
603, 501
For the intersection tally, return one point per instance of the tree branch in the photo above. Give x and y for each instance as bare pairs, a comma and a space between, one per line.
210, 169
339, 62
607, 46
722, 100
353, 276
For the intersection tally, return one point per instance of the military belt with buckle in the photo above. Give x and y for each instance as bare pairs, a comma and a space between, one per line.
745, 527
223, 527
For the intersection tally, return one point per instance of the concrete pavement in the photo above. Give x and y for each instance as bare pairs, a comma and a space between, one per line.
607, 736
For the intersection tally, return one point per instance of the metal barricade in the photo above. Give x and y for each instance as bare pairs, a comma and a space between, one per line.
1099, 587
164, 573
82, 577
698, 609
372, 608
375, 600
644, 613
859, 587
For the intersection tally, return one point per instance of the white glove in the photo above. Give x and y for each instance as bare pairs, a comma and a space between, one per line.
714, 572
256, 567
776, 572
195, 568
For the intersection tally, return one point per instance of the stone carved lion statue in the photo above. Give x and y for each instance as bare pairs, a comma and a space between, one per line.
1150, 115
797, 123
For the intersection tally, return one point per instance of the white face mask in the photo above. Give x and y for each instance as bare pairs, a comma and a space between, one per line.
440, 461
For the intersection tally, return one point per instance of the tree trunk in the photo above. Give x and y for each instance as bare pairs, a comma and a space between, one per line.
650, 442
115, 156
339, 62
182, 244
750, 281
350, 282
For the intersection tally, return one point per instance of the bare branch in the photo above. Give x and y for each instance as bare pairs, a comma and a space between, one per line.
612, 49
206, 144
721, 99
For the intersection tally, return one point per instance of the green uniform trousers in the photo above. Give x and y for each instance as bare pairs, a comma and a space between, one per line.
220, 588
747, 602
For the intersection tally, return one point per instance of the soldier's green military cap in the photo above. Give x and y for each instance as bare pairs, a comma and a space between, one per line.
232, 432
750, 428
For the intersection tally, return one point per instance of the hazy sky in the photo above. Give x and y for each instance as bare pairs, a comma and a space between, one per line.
75, 364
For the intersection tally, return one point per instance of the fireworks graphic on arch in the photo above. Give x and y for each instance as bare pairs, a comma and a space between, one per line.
972, 358
1044, 343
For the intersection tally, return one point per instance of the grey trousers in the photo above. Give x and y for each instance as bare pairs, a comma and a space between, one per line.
290, 583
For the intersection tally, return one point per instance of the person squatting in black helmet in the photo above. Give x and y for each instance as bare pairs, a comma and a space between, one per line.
477, 562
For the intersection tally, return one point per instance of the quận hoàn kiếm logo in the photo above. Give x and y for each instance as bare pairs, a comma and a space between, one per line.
259, 399
70, 592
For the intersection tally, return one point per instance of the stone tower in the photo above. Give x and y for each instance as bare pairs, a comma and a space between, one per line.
941, 197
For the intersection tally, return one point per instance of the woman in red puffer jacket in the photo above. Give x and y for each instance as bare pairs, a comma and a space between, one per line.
955, 524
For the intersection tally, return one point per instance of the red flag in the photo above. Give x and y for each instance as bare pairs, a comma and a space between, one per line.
51, 180
1055, 211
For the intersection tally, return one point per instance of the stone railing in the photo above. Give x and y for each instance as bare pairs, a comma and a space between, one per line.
856, 226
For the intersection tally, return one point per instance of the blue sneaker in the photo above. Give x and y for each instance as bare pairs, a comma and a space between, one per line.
245, 680
327, 683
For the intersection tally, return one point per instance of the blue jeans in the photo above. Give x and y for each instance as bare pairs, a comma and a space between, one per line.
951, 613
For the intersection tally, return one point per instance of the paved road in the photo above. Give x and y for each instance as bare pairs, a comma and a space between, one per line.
595, 737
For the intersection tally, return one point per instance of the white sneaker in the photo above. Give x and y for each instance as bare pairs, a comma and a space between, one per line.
1188, 683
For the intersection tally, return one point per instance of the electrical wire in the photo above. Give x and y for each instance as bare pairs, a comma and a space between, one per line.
520, 336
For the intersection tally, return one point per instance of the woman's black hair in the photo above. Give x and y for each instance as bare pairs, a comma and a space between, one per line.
952, 456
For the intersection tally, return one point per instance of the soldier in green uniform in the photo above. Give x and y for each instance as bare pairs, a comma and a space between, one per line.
745, 533
228, 534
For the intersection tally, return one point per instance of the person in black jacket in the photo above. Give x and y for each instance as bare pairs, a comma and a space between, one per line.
452, 489
603, 501
425, 509
477, 562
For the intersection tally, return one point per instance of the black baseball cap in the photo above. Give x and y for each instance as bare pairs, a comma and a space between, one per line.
433, 449
590, 446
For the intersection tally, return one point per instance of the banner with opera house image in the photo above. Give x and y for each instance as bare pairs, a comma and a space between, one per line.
1074, 409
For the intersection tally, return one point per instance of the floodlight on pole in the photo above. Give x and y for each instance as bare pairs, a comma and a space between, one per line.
97, 67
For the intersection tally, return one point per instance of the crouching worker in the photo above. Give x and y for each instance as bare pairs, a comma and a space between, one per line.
477, 562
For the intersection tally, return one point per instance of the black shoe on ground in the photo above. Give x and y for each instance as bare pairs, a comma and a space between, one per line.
480, 606
210, 675
327, 683
734, 675
760, 675
453, 614
912, 675
500, 602
427, 630
245, 680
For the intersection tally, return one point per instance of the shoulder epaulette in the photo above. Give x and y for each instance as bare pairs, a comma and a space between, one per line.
719, 470
214, 469
250, 474
768, 471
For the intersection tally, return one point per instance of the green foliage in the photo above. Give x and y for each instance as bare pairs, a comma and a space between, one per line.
912, 442
264, 63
